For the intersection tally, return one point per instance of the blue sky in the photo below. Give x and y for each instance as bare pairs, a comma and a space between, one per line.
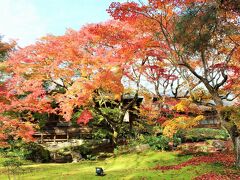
27, 20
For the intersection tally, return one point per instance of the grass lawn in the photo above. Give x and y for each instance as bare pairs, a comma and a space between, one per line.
129, 166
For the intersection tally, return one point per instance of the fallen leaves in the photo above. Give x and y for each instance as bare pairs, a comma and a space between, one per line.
223, 158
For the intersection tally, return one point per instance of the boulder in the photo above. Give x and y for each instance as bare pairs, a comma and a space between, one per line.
142, 147
61, 158
219, 145
76, 157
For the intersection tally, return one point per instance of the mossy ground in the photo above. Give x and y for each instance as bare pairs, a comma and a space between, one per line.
128, 166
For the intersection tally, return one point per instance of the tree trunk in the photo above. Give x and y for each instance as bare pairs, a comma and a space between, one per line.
233, 131
236, 143
216, 98
235, 137
237, 150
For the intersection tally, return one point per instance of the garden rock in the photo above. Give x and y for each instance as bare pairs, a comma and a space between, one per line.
60, 145
219, 145
142, 147
76, 157
61, 158
209, 146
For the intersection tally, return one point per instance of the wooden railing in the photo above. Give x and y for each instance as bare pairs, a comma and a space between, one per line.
62, 134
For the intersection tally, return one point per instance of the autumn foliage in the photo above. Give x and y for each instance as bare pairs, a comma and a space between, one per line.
181, 52
85, 117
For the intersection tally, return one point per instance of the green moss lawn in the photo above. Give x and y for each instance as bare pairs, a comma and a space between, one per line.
129, 166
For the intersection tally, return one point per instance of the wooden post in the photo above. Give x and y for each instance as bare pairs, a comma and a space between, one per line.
54, 138
41, 137
67, 136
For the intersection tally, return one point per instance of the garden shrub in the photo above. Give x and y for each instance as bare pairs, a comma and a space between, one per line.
202, 134
36, 153
26, 151
176, 140
84, 149
101, 133
158, 142
142, 142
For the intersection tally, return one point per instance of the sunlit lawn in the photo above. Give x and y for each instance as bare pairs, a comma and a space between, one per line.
130, 166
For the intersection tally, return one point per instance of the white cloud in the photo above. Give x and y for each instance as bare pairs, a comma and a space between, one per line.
19, 20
